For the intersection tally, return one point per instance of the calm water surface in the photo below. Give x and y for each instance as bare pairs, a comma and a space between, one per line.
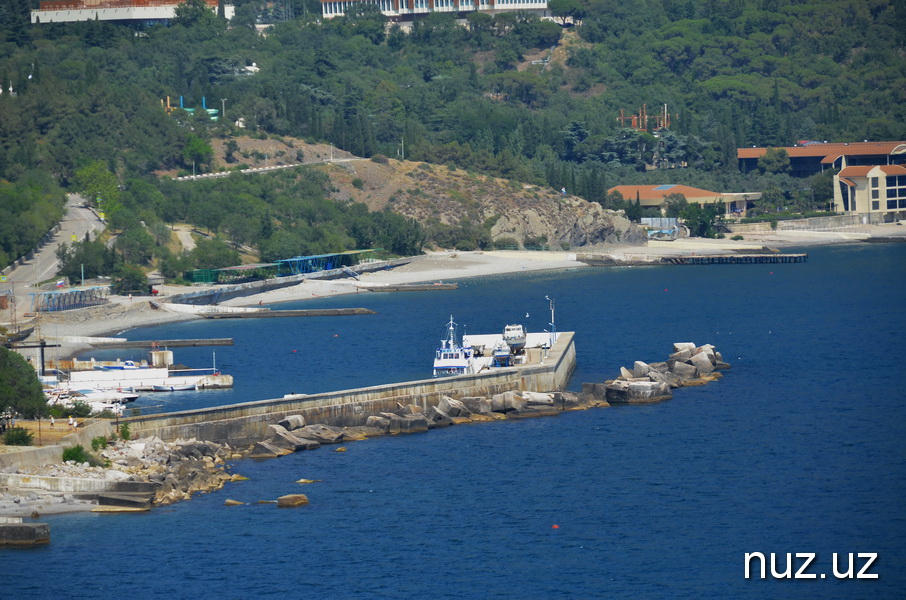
800, 448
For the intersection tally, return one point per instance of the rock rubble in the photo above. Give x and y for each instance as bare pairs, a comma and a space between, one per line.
687, 365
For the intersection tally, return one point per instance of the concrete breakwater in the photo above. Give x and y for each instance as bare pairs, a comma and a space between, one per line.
245, 424
688, 365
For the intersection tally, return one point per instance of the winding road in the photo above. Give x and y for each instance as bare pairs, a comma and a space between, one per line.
24, 279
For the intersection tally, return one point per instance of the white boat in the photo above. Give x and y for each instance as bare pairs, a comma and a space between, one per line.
98, 400
514, 336
189, 387
96, 395
451, 358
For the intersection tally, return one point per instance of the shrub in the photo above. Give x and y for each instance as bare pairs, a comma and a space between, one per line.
737, 237
358, 183
98, 443
124, 431
380, 159
506, 243
17, 436
77, 454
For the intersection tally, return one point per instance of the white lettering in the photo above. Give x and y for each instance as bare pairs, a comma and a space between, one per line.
748, 560
846, 575
872, 556
801, 574
789, 567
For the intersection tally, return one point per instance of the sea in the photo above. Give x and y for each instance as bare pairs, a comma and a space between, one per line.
798, 453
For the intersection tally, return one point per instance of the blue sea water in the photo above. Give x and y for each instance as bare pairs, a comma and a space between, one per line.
800, 448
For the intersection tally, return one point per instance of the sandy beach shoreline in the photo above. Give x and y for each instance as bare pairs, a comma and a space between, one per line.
123, 313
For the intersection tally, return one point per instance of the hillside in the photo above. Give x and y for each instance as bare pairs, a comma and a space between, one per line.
440, 196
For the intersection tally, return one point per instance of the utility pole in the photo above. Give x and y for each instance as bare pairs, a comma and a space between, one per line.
223, 108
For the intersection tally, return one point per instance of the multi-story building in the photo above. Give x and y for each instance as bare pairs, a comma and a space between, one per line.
809, 158
878, 191
408, 9
143, 11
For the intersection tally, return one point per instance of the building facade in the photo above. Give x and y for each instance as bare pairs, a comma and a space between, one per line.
143, 11
403, 9
809, 158
878, 191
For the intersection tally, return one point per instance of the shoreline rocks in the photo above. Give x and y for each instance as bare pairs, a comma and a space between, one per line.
138, 475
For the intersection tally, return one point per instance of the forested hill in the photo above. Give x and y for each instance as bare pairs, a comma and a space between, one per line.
509, 95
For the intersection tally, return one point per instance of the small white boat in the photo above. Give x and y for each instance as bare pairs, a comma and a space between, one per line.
189, 387
514, 336
451, 358
96, 395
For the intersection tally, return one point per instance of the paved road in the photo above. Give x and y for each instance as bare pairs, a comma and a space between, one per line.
43, 266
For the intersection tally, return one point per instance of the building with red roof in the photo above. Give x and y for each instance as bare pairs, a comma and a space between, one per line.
655, 196
809, 158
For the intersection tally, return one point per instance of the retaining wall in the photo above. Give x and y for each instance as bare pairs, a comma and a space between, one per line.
246, 423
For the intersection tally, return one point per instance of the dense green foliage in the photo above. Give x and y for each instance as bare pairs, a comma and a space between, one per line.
284, 214
20, 390
732, 73
18, 436
29, 207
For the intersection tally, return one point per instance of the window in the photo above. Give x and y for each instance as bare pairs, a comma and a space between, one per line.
874, 182
875, 205
875, 194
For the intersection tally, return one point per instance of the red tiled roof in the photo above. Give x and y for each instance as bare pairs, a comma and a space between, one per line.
659, 192
860, 171
830, 151
864, 170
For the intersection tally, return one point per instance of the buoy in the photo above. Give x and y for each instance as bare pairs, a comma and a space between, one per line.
340, 449
293, 350
555, 526
665, 289
336, 335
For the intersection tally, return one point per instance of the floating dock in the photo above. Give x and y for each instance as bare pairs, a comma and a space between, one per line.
267, 313
737, 259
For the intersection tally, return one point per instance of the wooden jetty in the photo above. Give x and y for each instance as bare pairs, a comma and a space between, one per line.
410, 287
737, 259
155, 344
266, 313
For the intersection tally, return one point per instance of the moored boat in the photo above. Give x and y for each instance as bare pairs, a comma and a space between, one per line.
189, 387
451, 358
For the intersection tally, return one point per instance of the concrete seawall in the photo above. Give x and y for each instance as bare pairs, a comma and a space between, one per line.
246, 423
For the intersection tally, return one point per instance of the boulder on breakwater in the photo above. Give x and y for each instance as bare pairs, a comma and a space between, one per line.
687, 365
280, 440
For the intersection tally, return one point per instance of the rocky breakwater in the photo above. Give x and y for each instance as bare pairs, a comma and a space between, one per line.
127, 476
292, 434
688, 365
180, 469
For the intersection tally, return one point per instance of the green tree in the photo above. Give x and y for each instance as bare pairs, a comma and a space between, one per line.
20, 390
130, 279
774, 160
99, 186
197, 152
701, 220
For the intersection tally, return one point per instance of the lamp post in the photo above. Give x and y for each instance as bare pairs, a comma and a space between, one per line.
223, 108
553, 326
